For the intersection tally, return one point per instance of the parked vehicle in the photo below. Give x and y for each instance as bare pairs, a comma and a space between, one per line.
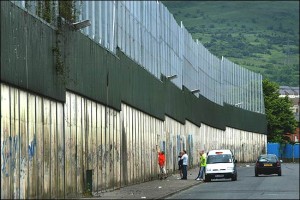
268, 164
220, 164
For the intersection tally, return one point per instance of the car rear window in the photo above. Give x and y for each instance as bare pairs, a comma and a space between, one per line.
267, 158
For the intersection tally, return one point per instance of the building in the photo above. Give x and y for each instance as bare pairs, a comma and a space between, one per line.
293, 94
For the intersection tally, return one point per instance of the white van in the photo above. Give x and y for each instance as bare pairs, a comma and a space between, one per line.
220, 164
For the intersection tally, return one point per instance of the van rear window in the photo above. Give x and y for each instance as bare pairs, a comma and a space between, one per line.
220, 158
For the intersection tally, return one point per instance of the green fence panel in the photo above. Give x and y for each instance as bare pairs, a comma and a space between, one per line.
27, 59
245, 120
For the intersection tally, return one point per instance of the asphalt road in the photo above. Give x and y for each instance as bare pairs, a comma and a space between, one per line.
248, 186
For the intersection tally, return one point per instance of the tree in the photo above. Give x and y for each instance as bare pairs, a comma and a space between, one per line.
280, 117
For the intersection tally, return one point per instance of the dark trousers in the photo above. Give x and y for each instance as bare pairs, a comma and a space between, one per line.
184, 171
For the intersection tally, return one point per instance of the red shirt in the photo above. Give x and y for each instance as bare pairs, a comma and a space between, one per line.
161, 159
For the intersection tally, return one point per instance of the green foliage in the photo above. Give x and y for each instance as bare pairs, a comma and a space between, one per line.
67, 10
44, 10
257, 36
47, 10
279, 115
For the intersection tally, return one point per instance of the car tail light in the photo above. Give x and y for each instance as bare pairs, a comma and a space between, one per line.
278, 163
257, 164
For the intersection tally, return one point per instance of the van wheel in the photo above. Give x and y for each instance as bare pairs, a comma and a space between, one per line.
207, 179
234, 178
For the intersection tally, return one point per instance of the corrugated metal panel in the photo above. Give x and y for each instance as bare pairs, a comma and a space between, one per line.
118, 150
134, 147
110, 133
32, 146
94, 144
39, 146
130, 145
78, 129
103, 144
296, 151
116, 146
287, 151
89, 136
67, 119
53, 153
59, 143
99, 148
60, 151
46, 148
39, 116
15, 138
7, 120
23, 113
273, 148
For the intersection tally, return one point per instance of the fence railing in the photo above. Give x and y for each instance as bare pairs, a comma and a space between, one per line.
285, 151
148, 33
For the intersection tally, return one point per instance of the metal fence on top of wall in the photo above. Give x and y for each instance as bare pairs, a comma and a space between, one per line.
148, 33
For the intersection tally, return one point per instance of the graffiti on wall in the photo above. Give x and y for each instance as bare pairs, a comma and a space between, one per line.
163, 146
9, 148
10, 154
31, 148
75, 154
178, 144
191, 148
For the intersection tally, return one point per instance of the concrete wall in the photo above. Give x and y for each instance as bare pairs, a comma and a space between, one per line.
47, 146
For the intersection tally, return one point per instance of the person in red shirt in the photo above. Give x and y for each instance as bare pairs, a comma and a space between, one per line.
161, 163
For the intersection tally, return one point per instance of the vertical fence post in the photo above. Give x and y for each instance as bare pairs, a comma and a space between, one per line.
293, 149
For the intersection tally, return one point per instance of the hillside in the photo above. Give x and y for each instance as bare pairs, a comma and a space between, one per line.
262, 36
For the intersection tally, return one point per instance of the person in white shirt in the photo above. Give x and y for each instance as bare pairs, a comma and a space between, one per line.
185, 159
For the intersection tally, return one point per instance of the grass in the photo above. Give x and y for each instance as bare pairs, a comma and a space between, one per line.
262, 36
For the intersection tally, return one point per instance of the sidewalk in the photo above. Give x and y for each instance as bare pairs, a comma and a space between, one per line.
156, 189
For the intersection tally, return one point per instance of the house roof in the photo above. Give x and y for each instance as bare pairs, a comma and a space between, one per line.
287, 90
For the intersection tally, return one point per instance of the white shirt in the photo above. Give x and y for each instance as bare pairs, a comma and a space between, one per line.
185, 159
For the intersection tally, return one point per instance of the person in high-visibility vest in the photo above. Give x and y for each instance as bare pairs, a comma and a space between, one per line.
202, 166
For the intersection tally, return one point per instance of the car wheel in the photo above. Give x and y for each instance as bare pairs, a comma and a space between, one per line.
256, 174
279, 173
